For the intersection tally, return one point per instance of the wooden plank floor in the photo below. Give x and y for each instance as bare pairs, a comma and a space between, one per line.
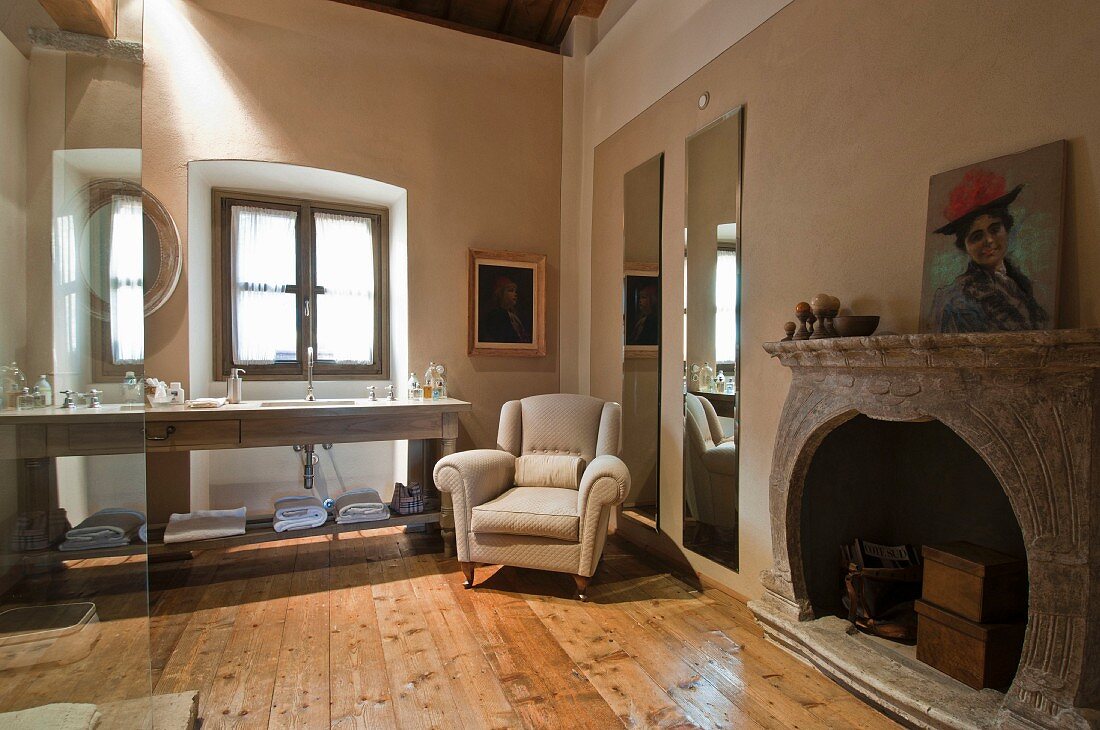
374, 630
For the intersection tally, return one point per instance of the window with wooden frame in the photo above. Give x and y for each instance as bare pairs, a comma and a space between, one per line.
290, 274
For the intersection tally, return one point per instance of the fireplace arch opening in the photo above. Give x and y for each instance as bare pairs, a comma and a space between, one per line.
896, 483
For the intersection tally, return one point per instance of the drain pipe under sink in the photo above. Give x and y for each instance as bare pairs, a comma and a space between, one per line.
309, 465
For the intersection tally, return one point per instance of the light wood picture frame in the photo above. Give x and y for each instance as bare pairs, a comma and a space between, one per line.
641, 310
507, 303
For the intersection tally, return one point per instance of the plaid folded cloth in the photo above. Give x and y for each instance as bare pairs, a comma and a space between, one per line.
407, 500
37, 530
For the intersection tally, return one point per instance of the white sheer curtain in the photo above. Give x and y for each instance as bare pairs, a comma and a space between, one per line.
264, 265
125, 268
345, 273
725, 320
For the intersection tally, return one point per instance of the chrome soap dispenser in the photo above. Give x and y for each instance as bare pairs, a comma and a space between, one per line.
234, 386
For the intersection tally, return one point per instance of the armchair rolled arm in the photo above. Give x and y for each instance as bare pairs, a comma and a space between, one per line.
605, 483
721, 459
473, 478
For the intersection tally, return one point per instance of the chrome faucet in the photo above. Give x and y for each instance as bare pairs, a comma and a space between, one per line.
309, 373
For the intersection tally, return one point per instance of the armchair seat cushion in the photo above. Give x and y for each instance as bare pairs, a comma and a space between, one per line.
533, 511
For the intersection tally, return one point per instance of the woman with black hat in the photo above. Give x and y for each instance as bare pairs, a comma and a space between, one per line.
993, 294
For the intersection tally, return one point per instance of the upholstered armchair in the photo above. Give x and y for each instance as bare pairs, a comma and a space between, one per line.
542, 498
711, 476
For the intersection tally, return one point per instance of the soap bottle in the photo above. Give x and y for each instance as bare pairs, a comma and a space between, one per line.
234, 386
428, 380
24, 401
132, 391
44, 392
441, 381
415, 391
13, 383
176, 394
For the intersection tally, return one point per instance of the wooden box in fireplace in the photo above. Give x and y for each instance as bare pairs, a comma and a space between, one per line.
974, 582
978, 655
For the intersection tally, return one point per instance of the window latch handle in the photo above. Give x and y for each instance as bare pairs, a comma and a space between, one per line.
305, 308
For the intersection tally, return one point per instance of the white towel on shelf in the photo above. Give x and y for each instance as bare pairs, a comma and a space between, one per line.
205, 403
299, 512
360, 505
205, 524
109, 527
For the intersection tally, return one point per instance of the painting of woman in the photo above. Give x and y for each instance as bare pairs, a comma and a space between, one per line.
992, 267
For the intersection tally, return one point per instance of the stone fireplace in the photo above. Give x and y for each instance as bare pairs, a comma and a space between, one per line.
898, 426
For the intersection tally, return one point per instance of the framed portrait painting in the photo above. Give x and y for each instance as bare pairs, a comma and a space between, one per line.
507, 295
992, 244
641, 310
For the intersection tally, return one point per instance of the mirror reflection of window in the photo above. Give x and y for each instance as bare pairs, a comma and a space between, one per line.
126, 272
725, 318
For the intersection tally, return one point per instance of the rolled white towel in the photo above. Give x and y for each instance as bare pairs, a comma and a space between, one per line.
109, 527
107, 524
360, 505
299, 512
205, 525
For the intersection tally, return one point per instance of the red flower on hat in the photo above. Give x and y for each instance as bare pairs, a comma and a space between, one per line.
978, 187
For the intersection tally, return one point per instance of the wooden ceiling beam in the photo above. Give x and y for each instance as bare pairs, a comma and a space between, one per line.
506, 16
90, 17
443, 23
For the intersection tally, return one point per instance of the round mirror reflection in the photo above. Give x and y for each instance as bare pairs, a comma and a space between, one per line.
125, 240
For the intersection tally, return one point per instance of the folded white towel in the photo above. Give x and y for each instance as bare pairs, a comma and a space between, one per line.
205, 403
299, 512
205, 525
298, 505
360, 505
72, 545
110, 527
60, 716
107, 523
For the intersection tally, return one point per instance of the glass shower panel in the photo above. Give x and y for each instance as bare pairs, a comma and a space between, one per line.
74, 601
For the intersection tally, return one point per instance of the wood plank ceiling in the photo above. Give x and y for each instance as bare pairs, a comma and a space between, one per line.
540, 24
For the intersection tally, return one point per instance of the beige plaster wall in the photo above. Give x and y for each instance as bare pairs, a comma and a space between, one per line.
13, 200
849, 108
470, 127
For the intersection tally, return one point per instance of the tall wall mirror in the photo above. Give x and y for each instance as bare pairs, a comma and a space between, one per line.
711, 351
642, 191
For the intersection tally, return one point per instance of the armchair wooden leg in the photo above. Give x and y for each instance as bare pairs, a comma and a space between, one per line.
582, 586
468, 571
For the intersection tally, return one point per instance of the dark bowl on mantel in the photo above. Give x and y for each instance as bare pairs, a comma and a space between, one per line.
856, 325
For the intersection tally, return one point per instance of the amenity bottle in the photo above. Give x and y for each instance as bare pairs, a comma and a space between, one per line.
44, 392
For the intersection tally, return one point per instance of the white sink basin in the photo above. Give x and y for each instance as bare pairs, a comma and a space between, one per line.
302, 402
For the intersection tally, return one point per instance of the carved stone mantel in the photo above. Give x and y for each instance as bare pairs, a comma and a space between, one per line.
1029, 404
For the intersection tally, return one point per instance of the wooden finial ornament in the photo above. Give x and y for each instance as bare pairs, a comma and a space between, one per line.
789, 328
803, 313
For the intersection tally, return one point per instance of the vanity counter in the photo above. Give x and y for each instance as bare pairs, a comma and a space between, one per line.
252, 424
325, 407
46, 433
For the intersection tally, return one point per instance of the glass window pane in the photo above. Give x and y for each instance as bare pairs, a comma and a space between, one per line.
264, 244
126, 268
725, 320
345, 272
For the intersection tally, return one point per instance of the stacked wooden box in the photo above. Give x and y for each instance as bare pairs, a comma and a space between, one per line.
972, 613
